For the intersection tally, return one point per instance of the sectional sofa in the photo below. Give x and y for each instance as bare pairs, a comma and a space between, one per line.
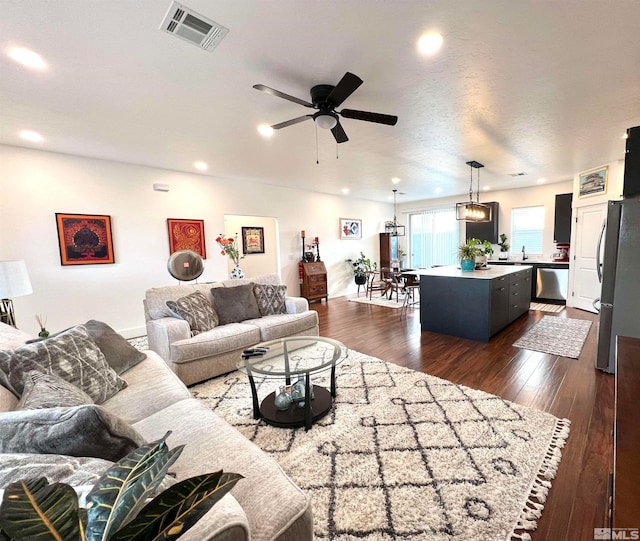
264, 506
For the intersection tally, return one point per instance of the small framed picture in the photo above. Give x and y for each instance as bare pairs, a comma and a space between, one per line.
186, 235
594, 181
350, 229
84, 239
253, 240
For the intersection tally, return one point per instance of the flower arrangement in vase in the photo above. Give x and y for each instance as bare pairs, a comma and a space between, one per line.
229, 247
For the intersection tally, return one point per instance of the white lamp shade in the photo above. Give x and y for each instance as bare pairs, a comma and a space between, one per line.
14, 279
326, 121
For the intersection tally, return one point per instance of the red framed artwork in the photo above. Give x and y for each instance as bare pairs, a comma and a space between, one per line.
186, 235
84, 239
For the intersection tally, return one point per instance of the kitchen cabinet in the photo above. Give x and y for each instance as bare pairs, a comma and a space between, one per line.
486, 230
549, 281
314, 281
388, 249
562, 218
473, 305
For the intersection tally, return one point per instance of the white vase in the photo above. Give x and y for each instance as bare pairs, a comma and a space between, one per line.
236, 273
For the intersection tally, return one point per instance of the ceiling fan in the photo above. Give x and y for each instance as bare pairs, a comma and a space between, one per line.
325, 98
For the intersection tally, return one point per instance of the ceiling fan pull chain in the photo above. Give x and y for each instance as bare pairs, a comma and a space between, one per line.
337, 150
317, 159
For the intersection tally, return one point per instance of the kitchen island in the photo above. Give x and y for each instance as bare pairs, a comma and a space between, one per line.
474, 305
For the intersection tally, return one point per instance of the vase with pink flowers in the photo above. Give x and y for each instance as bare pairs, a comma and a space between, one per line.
229, 247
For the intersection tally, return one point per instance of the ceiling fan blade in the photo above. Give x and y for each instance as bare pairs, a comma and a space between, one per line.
339, 133
279, 94
369, 117
347, 86
291, 122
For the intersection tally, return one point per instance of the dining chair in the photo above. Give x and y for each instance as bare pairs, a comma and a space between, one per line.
394, 281
375, 282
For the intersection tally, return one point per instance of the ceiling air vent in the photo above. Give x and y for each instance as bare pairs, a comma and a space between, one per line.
190, 26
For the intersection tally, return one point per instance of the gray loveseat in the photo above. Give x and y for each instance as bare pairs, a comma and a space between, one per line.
264, 506
208, 354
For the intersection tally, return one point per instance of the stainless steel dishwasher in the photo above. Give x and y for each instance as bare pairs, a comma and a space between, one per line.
552, 283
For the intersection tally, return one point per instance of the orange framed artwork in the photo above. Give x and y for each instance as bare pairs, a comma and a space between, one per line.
186, 235
84, 239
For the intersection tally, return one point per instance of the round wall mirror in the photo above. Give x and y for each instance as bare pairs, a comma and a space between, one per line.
185, 265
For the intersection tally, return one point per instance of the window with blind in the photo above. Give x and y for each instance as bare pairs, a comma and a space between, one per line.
527, 228
434, 237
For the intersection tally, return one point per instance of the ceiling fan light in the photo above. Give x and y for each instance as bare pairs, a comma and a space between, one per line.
326, 121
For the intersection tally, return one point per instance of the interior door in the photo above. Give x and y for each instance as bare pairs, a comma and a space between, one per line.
585, 286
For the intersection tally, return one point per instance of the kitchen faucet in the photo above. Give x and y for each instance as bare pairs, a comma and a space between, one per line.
524, 255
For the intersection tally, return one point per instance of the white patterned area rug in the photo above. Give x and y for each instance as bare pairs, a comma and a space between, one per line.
379, 301
542, 307
405, 456
560, 336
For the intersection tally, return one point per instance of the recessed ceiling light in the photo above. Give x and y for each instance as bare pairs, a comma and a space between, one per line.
27, 58
32, 136
438, 189
200, 166
265, 130
486, 188
345, 191
541, 180
430, 43
395, 180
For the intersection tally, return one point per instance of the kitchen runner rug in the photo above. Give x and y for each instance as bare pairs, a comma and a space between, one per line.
406, 456
557, 336
542, 307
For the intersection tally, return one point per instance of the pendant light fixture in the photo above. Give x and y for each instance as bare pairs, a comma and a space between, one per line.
394, 227
470, 211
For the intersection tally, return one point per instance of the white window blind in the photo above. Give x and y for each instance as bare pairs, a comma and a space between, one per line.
434, 237
527, 228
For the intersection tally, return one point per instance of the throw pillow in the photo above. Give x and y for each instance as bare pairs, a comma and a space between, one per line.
196, 310
119, 353
78, 431
270, 298
235, 304
49, 391
72, 355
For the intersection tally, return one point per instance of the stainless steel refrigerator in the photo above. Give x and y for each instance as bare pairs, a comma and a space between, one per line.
618, 269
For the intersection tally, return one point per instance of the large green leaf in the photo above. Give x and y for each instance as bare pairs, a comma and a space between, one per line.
34, 510
178, 508
124, 487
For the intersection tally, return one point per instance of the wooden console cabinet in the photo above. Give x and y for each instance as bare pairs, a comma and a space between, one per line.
314, 281
626, 473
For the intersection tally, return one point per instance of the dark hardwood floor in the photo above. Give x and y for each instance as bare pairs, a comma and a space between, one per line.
567, 388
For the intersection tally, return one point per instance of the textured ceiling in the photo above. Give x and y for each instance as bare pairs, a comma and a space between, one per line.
541, 87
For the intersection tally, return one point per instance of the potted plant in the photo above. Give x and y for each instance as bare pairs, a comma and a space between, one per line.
484, 251
361, 267
402, 253
504, 247
467, 255
117, 505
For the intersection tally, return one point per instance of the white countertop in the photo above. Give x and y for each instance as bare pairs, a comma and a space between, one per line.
452, 271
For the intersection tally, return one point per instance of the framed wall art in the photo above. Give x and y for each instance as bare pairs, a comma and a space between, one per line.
350, 229
593, 182
253, 240
84, 239
186, 235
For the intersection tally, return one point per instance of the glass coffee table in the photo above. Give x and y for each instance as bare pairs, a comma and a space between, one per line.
294, 360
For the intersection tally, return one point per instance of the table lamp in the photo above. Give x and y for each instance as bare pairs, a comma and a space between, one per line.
14, 282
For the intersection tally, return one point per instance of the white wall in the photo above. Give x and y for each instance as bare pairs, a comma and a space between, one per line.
254, 264
543, 194
34, 185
